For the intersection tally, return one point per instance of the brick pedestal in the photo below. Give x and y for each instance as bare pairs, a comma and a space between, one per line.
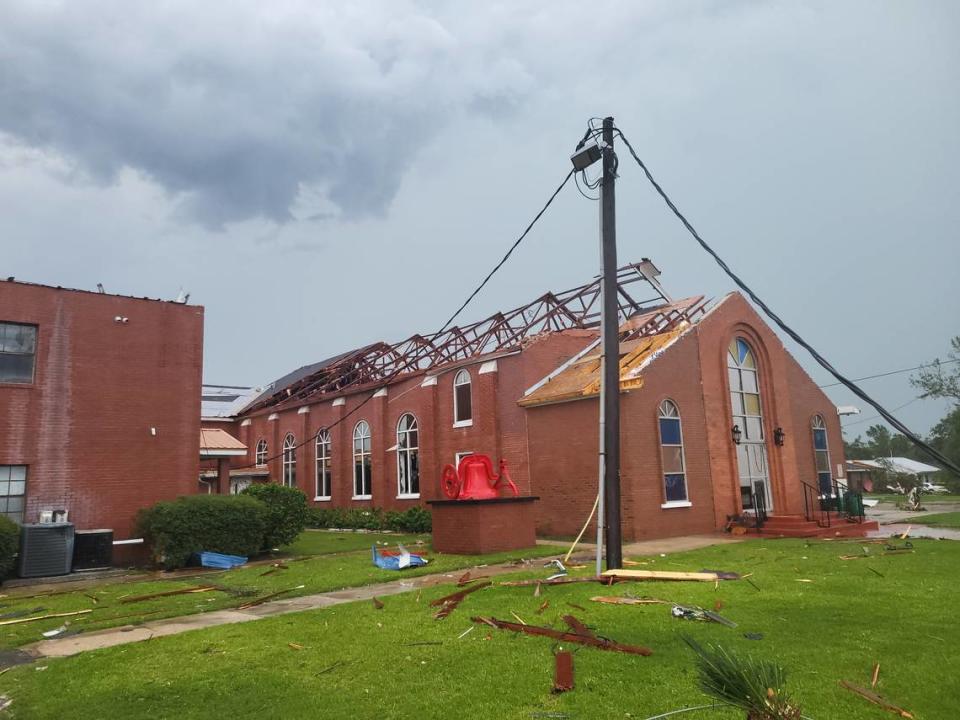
476, 527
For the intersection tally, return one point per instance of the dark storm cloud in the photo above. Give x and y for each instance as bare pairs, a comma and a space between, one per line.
235, 109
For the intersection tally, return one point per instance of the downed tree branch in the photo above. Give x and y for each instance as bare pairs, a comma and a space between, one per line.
875, 699
45, 617
599, 643
168, 593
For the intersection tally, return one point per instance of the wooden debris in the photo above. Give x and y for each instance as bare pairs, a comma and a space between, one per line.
464, 579
558, 581
465, 632
295, 646
331, 667
168, 593
876, 676
875, 572
44, 617
93, 599
876, 699
570, 637
273, 568
752, 583
906, 532
578, 627
265, 598
660, 575
448, 603
803, 580
536, 590
517, 617
563, 672
543, 606
377, 604
615, 600
718, 605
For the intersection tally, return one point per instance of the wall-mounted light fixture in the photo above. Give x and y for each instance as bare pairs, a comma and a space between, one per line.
779, 435
736, 433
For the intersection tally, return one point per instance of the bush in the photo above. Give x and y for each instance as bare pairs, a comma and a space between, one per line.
414, 520
287, 512
177, 529
9, 544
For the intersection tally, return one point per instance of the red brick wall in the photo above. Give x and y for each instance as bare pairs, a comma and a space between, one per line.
84, 426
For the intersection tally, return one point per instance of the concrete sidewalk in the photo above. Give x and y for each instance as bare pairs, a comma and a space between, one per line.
123, 635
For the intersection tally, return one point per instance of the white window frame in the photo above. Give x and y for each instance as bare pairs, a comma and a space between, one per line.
365, 478
289, 474
7, 479
324, 465
663, 413
459, 381
404, 454
260, 454
457, 457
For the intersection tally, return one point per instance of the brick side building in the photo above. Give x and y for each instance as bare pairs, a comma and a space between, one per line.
99, 404
374, 427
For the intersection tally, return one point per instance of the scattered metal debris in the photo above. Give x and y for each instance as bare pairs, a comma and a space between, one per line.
600, 643
696, 613
448, 603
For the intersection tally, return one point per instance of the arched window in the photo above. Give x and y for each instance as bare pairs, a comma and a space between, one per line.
261, 455
362, 470
290, 461
748, 418
462, 400
323, 465
821, 455
671, 453
408, 460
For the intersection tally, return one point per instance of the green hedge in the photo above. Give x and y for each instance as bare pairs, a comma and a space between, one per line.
287, 512
177, 529
414, 520
9, 544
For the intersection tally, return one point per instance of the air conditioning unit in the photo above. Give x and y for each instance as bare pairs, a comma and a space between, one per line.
46, 549
92, 549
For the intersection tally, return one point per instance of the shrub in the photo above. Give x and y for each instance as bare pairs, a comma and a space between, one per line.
9, 544
177, 529
414, 520
287, 512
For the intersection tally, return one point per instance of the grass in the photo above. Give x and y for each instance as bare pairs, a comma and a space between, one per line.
324, 542
925, 499
360, 662
948, 520
317, 573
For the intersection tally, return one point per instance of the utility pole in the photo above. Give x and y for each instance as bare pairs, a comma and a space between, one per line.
610, 365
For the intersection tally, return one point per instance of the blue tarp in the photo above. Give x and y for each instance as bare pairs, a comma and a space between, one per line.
396, 562
219, 560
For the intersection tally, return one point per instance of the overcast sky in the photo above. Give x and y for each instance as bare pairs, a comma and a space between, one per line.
322, 175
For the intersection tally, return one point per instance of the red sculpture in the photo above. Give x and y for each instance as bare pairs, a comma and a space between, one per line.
474, 479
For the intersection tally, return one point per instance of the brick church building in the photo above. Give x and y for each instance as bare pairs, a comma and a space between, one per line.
717, 417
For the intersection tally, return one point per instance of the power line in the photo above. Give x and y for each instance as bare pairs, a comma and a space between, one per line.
894, 372
849, 384
453, 317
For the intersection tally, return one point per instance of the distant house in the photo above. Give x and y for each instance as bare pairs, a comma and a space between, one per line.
99, 404
866, 474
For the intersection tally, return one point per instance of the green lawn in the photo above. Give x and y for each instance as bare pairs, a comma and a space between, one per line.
359, 662
319, 573
324, 542
949, 520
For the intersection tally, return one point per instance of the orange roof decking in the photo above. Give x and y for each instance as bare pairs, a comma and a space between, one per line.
219, 443
582, 378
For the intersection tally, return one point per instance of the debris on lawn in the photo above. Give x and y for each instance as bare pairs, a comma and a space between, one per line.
723, 574
621, 574
753, 636
803, 580
517, 618
891, 549
618, 600
168, 593
377, 604
875, 572
274, 567
563, 672
875, 699
221, 561
448, 603
875, 676
294, 646
600, 643
265, 598
697, 613
45, 617
578, 627
21, 613
402, 559
562, 580
93, 599
331, 667
59, 631
581, 608
465, 632
425, 642
5, 702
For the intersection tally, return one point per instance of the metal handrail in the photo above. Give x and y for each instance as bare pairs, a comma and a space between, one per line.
814, 509
849, 502
759, 504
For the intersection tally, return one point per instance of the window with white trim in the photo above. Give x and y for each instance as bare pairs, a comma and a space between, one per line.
18, 344
290, 461
13, 491
821, 455
261, 454
323, 464
362, 462
462, 399
671, 453
408, 457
